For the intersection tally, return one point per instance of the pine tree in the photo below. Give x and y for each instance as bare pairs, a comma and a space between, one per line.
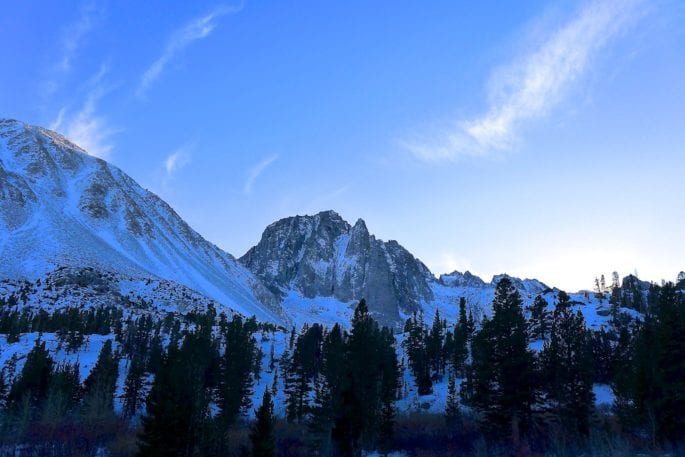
539, 319
274, 384
615, 297
14, 330
262, 433
654, 385
567, 372
389, 386
319, 423
417, 353
3, 389
101, 383
177, 418
365, 413
133, 395
670, 360
33, 382
272, 356
452, 413
434, 344
63, 395
471, 326
563, 301
632, 294
291, 341
330, 386
461, 337
236, 380
602, 350
680, 281
155, 354
302, 368
503, 387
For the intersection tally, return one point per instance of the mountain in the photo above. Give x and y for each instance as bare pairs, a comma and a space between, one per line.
62, 208
77, 230
321, 265
324, 256
457, 279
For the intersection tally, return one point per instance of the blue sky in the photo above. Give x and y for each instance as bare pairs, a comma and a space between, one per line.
541, 139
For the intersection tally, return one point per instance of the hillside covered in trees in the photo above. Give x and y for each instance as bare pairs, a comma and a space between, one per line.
518, 381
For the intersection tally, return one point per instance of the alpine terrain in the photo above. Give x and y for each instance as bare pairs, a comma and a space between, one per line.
62, 210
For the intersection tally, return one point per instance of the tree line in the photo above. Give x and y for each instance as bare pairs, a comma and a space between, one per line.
188, 381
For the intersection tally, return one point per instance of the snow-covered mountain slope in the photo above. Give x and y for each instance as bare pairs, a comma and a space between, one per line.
450, 288
324, 256
479, 300
60, 207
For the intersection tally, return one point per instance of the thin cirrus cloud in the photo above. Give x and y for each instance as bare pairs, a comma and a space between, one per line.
177, 160
530, 87
197, 29
85, 127
254, 172
72, 39
75, 34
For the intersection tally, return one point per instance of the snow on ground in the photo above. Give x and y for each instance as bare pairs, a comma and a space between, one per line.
604, 395
265, 340
326, 311
86, 356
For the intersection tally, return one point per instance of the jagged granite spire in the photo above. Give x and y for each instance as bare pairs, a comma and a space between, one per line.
323, 256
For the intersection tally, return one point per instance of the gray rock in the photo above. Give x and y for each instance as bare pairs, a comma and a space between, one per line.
458, 279
324, 256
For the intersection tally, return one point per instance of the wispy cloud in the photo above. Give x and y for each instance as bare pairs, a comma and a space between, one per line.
254, 172
75, 34
177, 160
196, 29
72, 37
532, 85
86, 127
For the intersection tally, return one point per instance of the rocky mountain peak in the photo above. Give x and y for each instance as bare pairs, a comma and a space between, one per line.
458, 279
323, 256
360, 226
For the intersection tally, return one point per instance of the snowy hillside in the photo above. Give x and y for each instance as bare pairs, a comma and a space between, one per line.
61, 207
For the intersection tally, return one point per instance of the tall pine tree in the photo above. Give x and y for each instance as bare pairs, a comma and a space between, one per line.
503, 384
567, 372
262, 433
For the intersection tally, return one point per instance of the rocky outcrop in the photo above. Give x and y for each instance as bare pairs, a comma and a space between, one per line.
324, 256
458, 279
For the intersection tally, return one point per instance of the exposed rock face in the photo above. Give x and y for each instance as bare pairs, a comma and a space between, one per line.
324, 256
457, 279
61, 207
